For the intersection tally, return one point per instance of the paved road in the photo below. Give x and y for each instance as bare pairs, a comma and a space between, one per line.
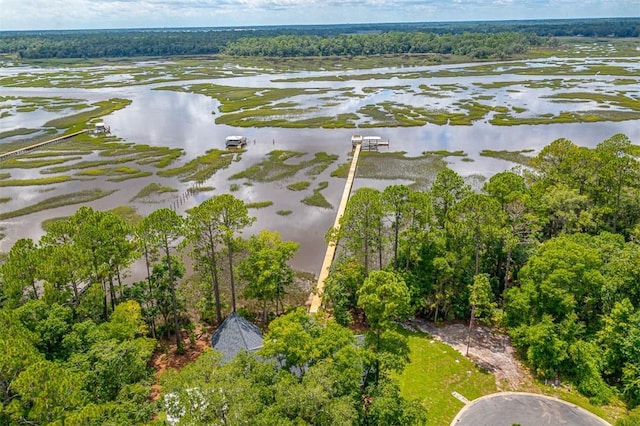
525, 409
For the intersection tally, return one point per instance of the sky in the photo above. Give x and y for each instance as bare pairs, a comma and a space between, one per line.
92, 14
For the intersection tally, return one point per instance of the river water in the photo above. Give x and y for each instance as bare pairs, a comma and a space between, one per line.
184, 120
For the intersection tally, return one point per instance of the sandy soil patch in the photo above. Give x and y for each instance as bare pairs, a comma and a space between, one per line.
489, 349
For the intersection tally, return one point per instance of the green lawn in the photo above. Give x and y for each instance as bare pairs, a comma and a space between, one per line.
434, 372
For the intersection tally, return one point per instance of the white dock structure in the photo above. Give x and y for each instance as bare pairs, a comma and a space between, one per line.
235, 141
370, 143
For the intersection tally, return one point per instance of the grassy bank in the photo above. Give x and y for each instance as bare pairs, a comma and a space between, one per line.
79, 197
435, 371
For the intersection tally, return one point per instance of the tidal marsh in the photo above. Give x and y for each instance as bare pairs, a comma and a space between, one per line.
395, 165
518, 157
80, 197
152, 190
259, 204
277, 167
299, 186
317, 199
202, 168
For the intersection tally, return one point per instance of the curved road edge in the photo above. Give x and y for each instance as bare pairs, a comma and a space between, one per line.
578, 409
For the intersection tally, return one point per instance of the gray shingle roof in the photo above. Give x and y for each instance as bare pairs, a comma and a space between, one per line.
236, 334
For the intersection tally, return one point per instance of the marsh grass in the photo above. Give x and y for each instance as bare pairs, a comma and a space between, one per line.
620, 99
519, 157
93, 164
292, 118
198, 189
259, 204
20, 163
393, 114
299, 186
17, 132
48, 154
280, 107
320, 162
35, 181
4, 199
278, 166
118, 174
267, 107
317, 199
77, 121
202, 168
127, 213
342, 171
151, 190
273, 168
421, 170
445, 153
79, 197
284, 212
566, 117
242, 98
129, 176
157, 156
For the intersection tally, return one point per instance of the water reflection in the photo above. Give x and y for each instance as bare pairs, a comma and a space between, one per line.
187, 121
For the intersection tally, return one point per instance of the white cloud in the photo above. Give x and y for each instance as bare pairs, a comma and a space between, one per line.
62, 14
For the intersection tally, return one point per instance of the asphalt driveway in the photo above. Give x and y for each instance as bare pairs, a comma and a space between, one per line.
524, 409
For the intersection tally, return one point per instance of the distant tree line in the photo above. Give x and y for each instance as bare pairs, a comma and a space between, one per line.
473, 45
474, 39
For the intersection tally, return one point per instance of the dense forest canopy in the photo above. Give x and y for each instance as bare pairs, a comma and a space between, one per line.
465, 38
550, 253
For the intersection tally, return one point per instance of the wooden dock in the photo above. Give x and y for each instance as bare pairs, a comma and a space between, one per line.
316, 296
39, 145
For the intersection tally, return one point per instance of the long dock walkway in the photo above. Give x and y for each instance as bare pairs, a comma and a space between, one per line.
39, 145
331, 247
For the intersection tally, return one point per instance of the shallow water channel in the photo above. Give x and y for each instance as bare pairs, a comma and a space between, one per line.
184, 120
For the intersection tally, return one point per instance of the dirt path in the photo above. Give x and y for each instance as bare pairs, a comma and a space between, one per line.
489, 349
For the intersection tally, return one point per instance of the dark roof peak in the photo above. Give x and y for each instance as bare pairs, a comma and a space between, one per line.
236, 334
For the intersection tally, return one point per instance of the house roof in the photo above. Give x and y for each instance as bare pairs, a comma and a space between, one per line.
236, 334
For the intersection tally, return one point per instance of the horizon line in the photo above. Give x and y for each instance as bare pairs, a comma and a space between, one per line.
260, 26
